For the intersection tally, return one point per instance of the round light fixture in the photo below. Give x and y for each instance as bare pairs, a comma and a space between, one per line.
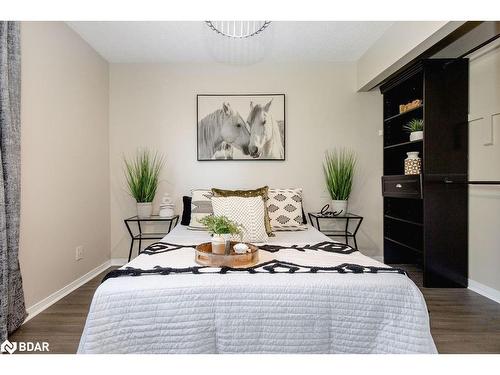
238, 29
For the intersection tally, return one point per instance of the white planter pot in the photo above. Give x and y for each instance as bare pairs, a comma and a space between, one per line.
415, 136
339, 206
219, 243
144, 209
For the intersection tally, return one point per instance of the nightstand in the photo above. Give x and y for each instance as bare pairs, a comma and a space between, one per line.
346, 233
172, 222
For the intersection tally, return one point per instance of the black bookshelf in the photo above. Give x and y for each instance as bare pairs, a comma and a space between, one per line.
426, 216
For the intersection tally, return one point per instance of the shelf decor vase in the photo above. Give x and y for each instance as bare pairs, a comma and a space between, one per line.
339, 207
416, 136
413, 164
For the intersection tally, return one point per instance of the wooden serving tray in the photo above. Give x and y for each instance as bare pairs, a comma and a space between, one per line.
205, 257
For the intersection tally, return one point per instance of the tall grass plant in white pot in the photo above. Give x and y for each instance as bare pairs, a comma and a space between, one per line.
339, 167
141, 173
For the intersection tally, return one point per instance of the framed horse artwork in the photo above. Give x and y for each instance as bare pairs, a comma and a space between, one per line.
240, 127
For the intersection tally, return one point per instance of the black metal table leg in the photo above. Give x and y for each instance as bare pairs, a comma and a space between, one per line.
360, 220
140, 237
131, 240
131, 248
346, 231
313, 217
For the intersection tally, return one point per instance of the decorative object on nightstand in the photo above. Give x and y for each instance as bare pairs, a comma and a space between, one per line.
325, 211
142, 179
172, 222
346, 232
339, 167
166, 206
413, 164
416, 129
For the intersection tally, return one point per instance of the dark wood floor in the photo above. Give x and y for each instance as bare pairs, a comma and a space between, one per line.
461, 321
61, 325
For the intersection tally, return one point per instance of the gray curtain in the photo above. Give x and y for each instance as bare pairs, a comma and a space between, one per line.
12, 309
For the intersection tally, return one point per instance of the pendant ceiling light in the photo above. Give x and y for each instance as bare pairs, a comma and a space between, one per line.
238, 29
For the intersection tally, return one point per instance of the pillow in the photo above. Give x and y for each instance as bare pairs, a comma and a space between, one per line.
247, 212
285, 209
186, 210
201, 206
260, 192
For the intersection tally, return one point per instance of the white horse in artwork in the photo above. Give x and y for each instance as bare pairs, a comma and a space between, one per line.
265, 137
221, 130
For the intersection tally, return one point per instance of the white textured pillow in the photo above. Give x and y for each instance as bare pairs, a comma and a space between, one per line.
285, 209
201, 206
247, 212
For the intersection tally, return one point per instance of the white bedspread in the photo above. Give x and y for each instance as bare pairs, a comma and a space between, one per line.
258, 313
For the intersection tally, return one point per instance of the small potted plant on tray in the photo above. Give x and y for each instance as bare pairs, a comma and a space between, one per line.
222, 230
339, 167
416, 129
142, 179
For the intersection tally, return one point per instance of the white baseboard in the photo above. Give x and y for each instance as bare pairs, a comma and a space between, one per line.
38, 307
485, 290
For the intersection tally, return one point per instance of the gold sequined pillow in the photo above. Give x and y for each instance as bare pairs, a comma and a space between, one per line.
260, 192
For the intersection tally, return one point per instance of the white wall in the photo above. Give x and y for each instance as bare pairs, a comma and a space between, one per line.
400, 44
155, 106
484, 164
64, 158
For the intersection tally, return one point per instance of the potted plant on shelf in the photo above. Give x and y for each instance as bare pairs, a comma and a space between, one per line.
416, 129
339, 167
222, 230
142, 179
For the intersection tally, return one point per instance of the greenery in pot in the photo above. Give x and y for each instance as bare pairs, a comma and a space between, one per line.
339, 167
142, 174
218, 225
414, 125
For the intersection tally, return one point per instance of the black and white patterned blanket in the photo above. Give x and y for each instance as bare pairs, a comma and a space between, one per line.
271, 266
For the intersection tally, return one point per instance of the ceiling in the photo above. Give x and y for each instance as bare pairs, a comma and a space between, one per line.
193, 41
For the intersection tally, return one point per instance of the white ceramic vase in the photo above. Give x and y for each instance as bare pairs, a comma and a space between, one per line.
144, 209
415, 136
340, 207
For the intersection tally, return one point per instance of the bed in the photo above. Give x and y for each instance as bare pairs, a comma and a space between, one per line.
314, 296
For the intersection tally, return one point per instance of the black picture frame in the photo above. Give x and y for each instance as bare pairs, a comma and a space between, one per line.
227, 98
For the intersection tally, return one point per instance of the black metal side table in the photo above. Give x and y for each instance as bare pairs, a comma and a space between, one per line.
172, 222
338, 233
